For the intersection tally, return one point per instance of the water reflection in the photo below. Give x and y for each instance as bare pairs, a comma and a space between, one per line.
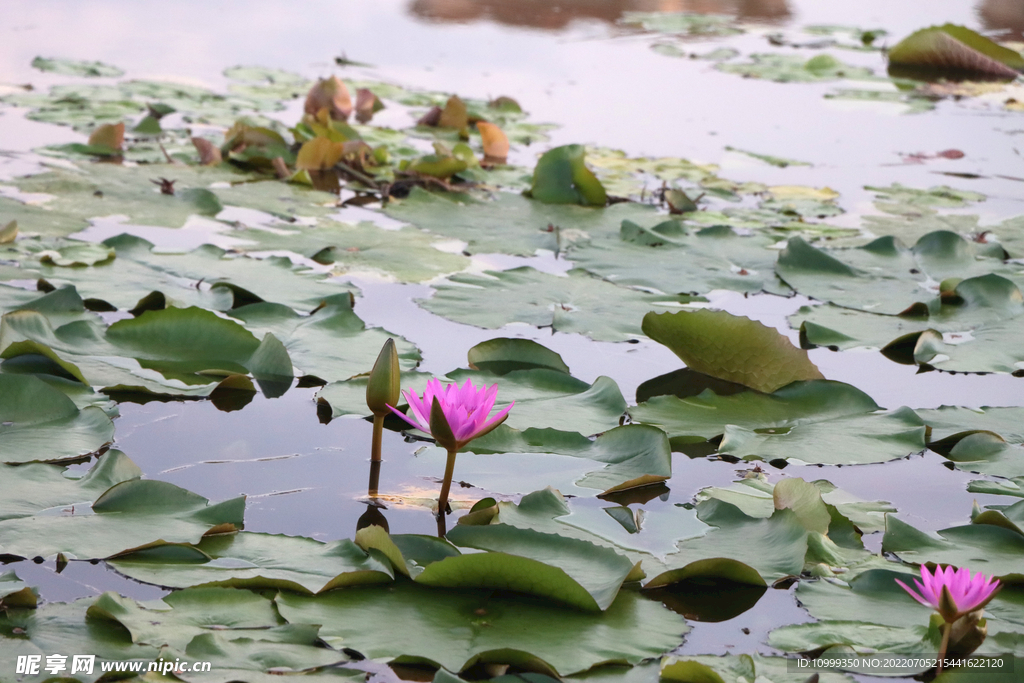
1003, 15
544, 14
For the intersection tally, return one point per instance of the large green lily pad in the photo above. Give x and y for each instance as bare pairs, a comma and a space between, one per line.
577, 302
182, 615
332, 343
885, 276
570, 571
732, 348
817, 421
974, 328
406, 254
252, 560
994, 550
784, 68
39, 423
30, 488
457, 628
510, 223
635, 455
63, 628
129, 515
669, 258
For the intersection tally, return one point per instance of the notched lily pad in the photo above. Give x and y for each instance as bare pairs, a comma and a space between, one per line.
953, 51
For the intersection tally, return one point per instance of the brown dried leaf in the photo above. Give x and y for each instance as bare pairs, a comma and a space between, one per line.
431, 118
9, 232
454, 114
318, 154
495, 142
367, 104
332, 94
209, 153
109, 135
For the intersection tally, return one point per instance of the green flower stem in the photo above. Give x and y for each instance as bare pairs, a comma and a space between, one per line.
947, 628
449, 472
378, 435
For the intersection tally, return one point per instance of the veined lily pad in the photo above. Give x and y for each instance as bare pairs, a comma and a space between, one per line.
956, 50
732, 348
251, 560
71, 67
884, 276
63, 628
183, 615
456, 629
332, 343
784, 68
574, 572
129, 515
41, 424
992, 549
31, 488
578, 302
511, 223
668, 258
816, 421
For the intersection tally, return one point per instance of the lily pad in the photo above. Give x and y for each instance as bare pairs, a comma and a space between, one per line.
573, 572
33, 487
994, 550
129, 515
972, 328
784, 68
109, 190
252, 560
16, 593
62, 628
562, 177
407, 254
732, 348
577, 302
456, 629
669, 258
181, 616
511, 223
817, 421
72, 67
636, 455
885, 276
688, 24
41, 424
954, 50
332, 343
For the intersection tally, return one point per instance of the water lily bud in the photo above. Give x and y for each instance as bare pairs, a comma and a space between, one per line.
384, 385
332, 95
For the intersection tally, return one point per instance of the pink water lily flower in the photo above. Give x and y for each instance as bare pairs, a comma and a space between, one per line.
454, 416
953, 593
466, 410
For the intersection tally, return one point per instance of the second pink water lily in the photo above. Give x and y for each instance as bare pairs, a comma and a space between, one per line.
953, 593
466, 409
